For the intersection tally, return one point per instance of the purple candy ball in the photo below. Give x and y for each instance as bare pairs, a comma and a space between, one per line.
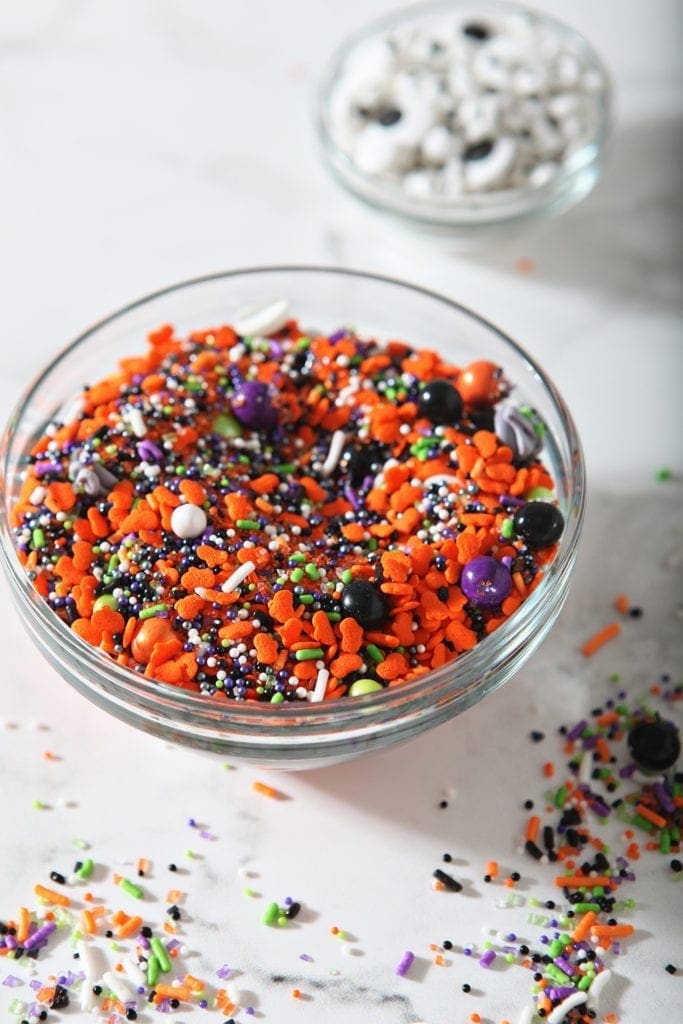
252, 405
485, 581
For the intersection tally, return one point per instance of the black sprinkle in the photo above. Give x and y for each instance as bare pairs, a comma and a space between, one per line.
466, 987
670, 969
57, 876
447, 881
388, 116
447, 857
537, 736
636, 613
676, 864
535, 851
443, 804
447, 944
292, 910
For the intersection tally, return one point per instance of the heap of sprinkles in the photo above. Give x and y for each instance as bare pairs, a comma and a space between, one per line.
256, 513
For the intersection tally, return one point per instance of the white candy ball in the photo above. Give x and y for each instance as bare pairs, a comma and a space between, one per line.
188, 521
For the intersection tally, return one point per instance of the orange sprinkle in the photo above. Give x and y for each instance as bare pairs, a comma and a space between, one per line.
23, 925
296, 993
143, 866
549, 769
612, 931
582, 881
492, 868
532, 828
88, 921
649, 815
265, 790
50, 896
334, 930
610, 631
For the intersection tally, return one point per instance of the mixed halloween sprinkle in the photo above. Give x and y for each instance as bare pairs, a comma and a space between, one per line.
257, 513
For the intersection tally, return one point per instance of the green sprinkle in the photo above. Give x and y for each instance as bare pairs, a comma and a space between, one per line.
282, 921
642, 823
585, 982
189, 854
373, 544
375, 653
510, 958
347, 577
105, 601
270, 914
583, 908
507, 528
247, 524
152, 971
556, 947
131, 888
310, 654
39, 805
561, 797
334, 616
557, 974
306, 598
248, 892
663, 474
277, 698
226, 426
37, 539
312, 572
285, 467
297, 557
363, 686
303, 342
152, 610
160, 953
539, 494
86, 868
80, 844
296, 575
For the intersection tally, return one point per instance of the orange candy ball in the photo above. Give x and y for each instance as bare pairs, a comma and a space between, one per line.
151, 632
480, 383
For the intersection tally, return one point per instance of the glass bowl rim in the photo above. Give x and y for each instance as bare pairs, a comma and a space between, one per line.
472, 210
476, 662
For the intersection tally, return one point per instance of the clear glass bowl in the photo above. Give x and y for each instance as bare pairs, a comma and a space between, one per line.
477, 213
297, 735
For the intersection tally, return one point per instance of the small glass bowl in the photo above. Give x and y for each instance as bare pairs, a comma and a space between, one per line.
297, 735
469, 214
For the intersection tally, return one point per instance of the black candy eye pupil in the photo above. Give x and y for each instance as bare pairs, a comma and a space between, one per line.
362, 601
538, 523
440, 402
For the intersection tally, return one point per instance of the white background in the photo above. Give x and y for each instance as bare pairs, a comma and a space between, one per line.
145, 142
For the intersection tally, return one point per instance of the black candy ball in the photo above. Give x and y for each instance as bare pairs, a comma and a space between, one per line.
538, 523
440, 402
654, 745
362, 601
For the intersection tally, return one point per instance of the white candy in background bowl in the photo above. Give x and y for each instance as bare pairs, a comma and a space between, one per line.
459, 116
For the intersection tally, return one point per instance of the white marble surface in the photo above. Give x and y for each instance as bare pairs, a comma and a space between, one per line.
144, 142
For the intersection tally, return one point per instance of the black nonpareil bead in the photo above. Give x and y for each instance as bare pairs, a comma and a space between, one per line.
440, 403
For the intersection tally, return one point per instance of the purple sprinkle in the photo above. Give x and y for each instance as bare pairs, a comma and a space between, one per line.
403, 966
140, 990
250, 1010
507, 562
40, 936
172, 944
337, 336
561, 992
288, 901
11, 981
602, 810
509, 499
589, 742
664, 798
467, 951
206, 835
576, 730
487, 958
616, 948
148, 451
35, 985
191, 822
43, 467
224, 972
351, 496
203, 1003
627, 771
306, 957
565, 965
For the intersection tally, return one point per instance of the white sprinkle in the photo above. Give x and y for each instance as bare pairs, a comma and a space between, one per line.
563, 1008
526, 1016
263, 319
336, 448
119, 985
70, 411
646, 779
134, 970
137, 422
597, 986
87, 964
320, 687
38, 495
238, 577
